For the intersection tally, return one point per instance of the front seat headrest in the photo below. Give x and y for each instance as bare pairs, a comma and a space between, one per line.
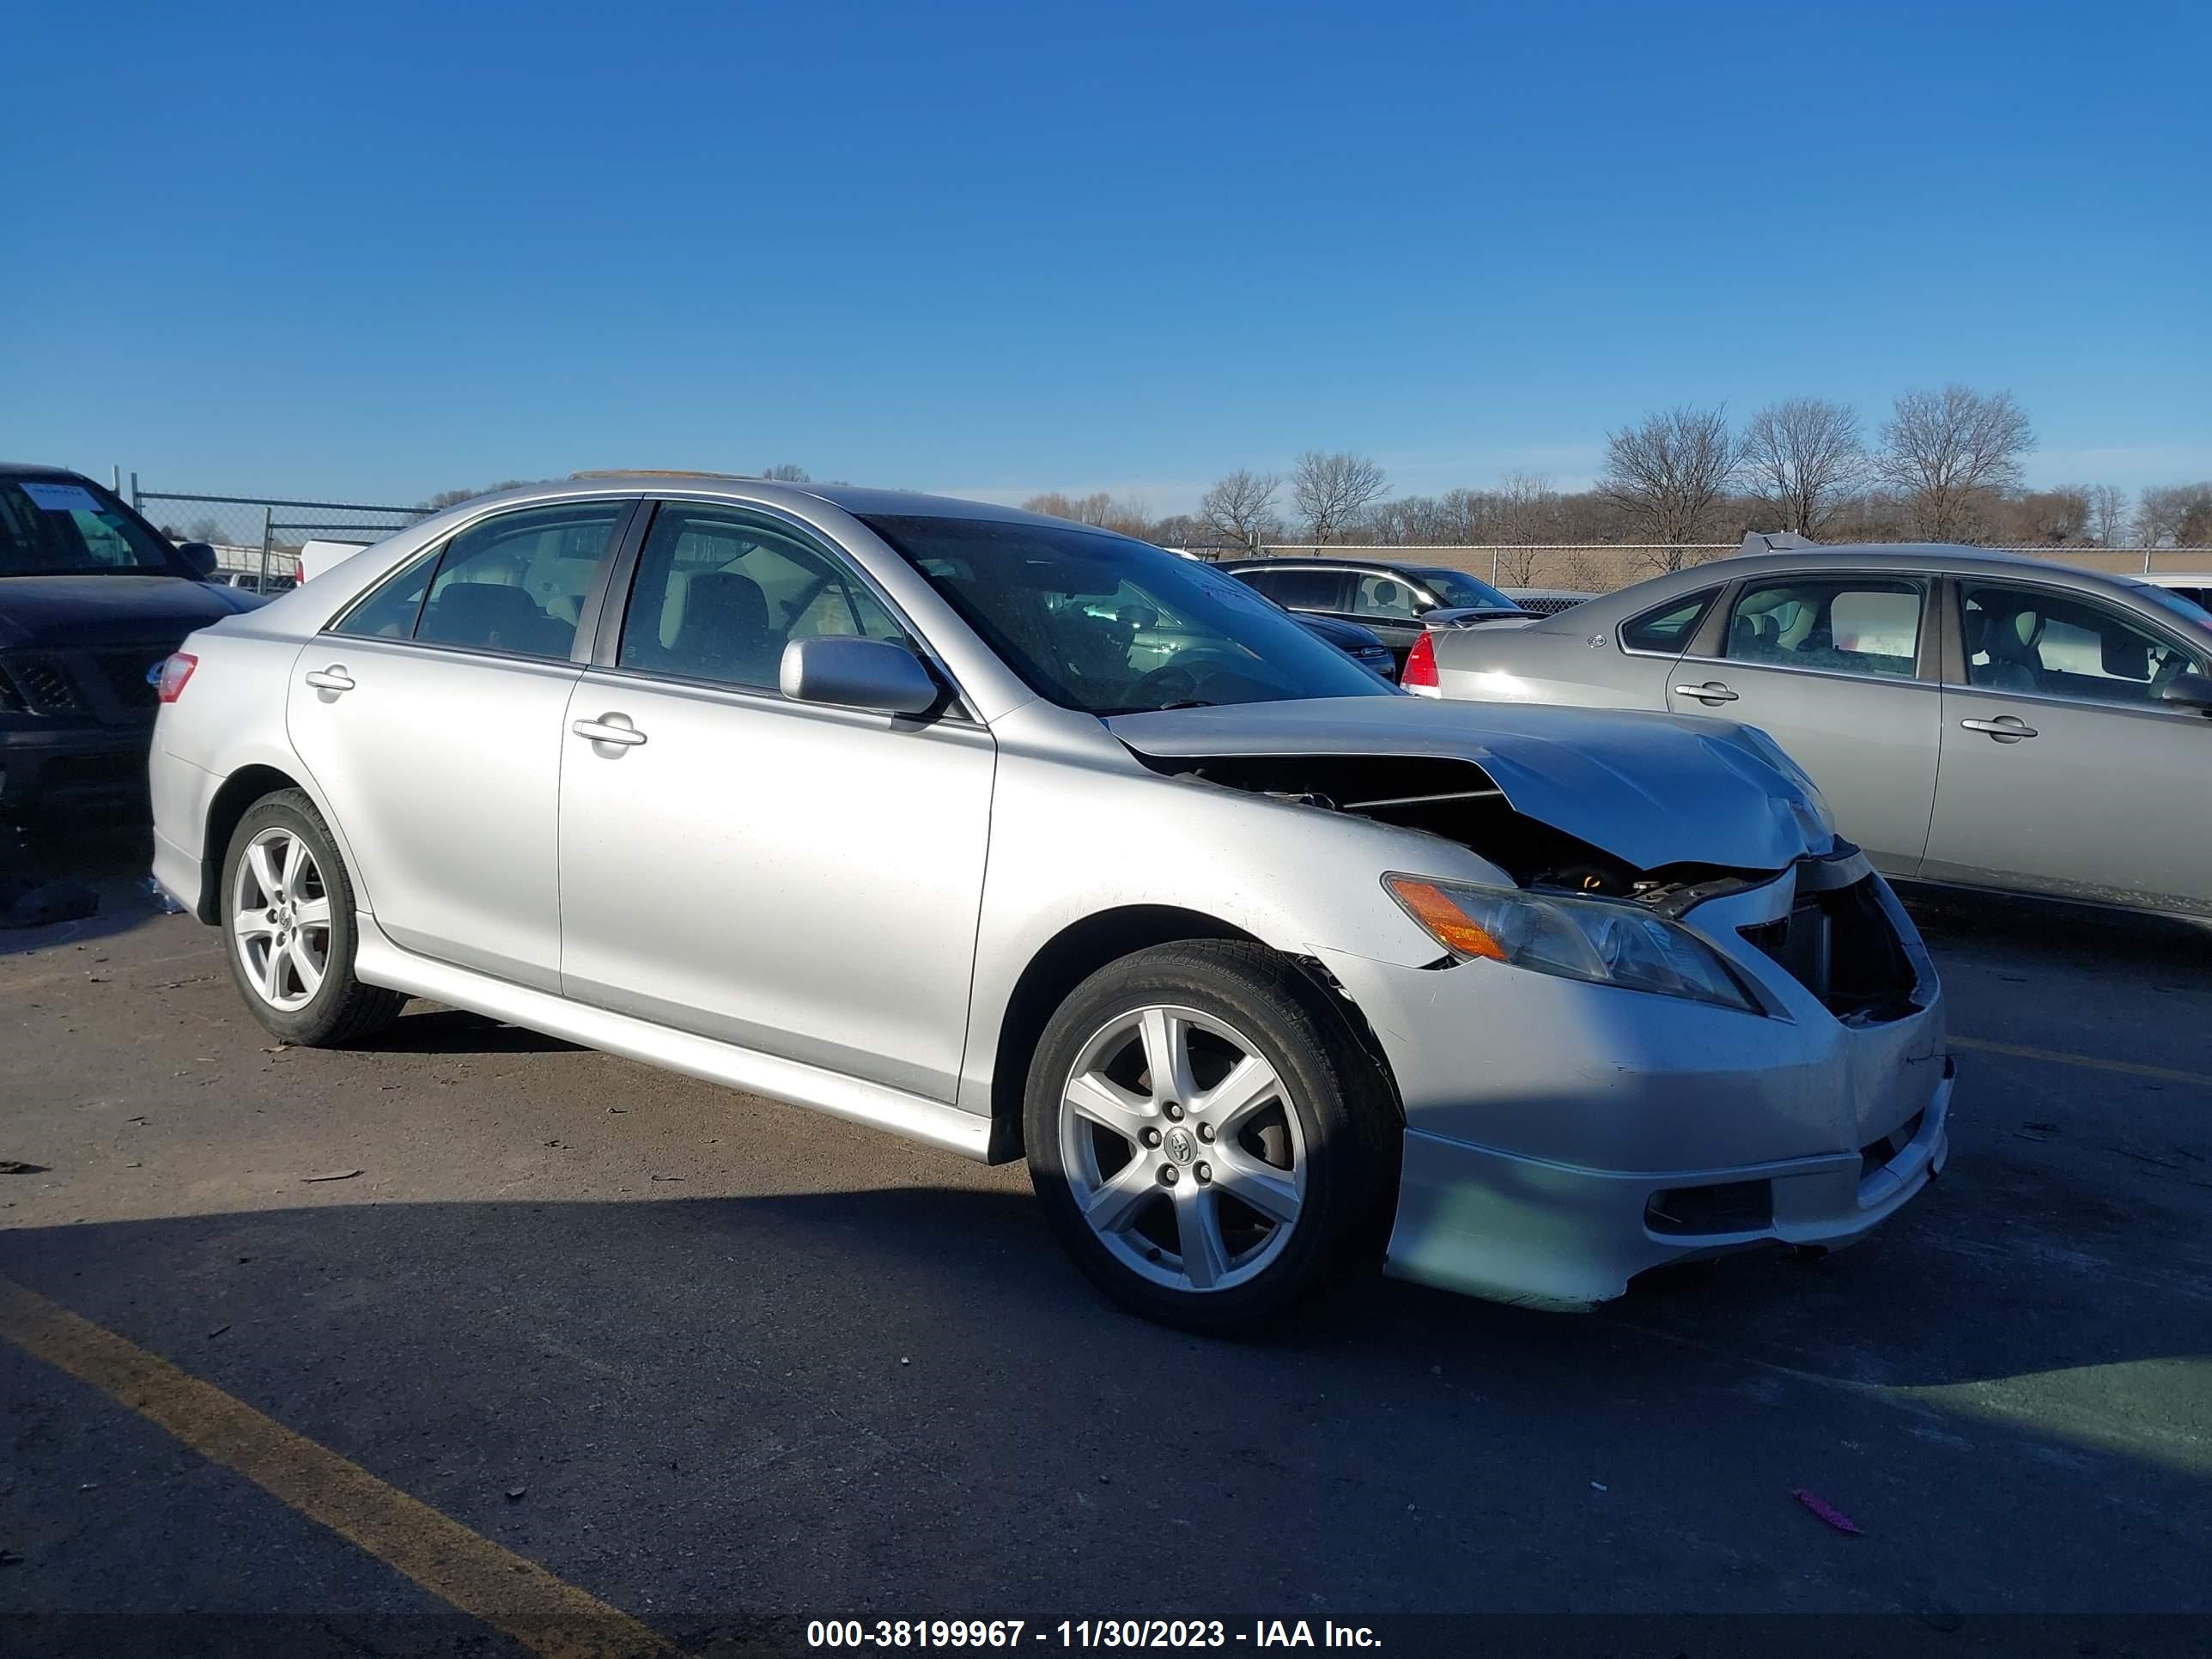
2013, 638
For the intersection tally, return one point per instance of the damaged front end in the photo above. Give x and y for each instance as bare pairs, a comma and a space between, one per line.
1724, 815
1788, 1084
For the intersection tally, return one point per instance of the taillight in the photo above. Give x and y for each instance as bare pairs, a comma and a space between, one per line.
299, 572
1421, 673
174, 673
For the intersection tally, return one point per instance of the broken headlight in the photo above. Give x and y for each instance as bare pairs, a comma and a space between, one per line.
1605, 942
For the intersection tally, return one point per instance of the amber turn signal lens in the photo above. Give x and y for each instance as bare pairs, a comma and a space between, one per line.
1453, 928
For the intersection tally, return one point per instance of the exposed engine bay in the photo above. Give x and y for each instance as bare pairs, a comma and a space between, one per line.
1456, 800
1834, 938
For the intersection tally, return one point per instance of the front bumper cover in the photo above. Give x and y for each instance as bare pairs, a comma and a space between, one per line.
1544, 1115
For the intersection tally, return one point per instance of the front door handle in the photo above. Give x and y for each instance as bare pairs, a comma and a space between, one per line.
1710, 691
609, 728
2005, 728
333, 678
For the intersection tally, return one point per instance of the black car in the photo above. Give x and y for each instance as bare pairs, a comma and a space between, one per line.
1362, 645
1397, 602
93, 599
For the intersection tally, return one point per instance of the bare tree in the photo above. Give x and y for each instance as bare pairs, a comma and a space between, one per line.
1524, 512
1800, 456
1666, 472
2108, 513
787, 473
2158, 514
2039, 517
2180, 514
2195, 529
1241, 506
1948, 452
1331, 491
1583, 571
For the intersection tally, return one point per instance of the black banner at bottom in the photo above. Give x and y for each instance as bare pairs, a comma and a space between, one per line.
1475, 1636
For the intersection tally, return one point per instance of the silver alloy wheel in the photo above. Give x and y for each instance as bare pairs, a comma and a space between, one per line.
1182, 1150
280, 923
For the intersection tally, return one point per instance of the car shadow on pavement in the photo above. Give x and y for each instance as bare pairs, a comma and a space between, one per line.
2068, 934
435, 1031
914, 1381
60, 864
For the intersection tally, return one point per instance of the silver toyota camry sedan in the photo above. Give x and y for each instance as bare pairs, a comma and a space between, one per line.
1974, 719
1024, 839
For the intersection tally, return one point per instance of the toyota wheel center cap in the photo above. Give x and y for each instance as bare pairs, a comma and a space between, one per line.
1180, 1144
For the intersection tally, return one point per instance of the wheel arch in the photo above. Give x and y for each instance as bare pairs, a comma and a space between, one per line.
1081, 949
230, 803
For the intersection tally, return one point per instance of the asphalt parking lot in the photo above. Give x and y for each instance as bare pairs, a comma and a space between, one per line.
706, 1360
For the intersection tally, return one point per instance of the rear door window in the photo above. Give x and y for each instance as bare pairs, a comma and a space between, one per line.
1308, 590
516, 583
1843, 625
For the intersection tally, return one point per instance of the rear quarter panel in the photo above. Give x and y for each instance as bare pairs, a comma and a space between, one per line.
1578, 666
230, 717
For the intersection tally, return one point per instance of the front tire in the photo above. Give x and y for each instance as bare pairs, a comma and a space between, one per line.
1208, 1141
287, 919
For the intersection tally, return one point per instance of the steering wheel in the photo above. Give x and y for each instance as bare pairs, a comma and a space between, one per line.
1184, 678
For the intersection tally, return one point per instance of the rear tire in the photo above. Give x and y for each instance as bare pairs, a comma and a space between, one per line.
1209, 1141
288, 928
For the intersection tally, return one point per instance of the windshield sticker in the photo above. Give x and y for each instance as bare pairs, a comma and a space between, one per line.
61, 497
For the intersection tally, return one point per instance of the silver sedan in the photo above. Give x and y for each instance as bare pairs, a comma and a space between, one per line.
1974, 719
1022, 838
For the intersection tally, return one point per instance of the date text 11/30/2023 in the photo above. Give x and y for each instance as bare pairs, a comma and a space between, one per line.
1087, 1633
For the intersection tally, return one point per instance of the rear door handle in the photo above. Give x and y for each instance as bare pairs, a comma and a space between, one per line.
333, 678
2006, 728
1710, 691
609, 728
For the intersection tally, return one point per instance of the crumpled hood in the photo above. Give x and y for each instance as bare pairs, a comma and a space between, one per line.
63, 613
1651, 789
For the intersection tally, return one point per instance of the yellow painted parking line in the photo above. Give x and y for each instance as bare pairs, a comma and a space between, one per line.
544, 1613
2060, 1057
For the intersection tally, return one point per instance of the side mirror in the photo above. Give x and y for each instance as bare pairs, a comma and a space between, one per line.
2188, 692
856, 673
202, 558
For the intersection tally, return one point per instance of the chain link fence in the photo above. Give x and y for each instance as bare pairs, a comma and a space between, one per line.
261, 536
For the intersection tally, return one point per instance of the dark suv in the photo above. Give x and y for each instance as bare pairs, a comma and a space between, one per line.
1396, 601
93, 599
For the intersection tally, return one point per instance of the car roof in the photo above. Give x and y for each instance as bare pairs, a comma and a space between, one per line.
1906, 556
1351, 556
33, 470
858, 500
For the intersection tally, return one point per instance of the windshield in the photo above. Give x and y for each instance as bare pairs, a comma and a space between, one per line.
67, 526
1457, 590
1094, 621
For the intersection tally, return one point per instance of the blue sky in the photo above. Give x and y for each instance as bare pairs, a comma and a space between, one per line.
374, 251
